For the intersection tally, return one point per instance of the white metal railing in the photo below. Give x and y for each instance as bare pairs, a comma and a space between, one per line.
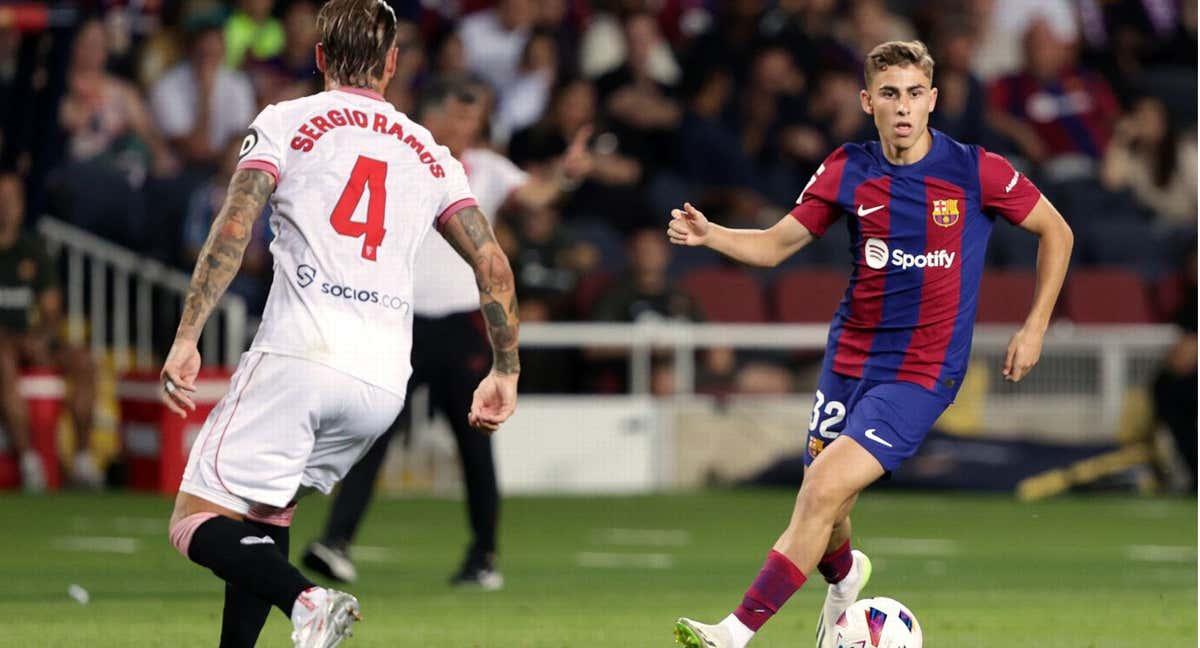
113, 269
1092, 364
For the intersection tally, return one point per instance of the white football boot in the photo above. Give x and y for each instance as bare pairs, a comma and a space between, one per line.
327, 620
841, 596
694, 634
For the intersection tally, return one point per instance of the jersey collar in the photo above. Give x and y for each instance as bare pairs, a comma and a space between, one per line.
362, 92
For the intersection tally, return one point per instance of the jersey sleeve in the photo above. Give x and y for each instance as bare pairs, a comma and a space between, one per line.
817, 207
454, 195
262, 149
1004, 190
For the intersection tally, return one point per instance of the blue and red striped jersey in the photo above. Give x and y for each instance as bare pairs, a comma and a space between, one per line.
919, 235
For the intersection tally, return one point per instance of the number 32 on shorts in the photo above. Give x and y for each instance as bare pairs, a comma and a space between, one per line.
834, 412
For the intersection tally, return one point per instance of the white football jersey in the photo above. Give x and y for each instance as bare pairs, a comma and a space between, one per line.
358, 187
445, 283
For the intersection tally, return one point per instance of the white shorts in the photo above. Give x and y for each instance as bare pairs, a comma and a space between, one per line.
285, 423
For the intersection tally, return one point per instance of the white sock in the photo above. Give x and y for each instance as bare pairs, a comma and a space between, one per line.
307, 604
737, 630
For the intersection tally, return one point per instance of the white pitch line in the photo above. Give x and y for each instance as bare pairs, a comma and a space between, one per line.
1161, 553
912, 546
642, 537
96, 544
599, 560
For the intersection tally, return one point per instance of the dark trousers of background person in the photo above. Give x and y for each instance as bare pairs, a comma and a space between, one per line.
451, 355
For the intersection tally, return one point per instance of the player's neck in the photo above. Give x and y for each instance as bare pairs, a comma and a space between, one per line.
330, 84
911, 155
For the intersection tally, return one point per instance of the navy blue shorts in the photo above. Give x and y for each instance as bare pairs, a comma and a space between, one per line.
890, 419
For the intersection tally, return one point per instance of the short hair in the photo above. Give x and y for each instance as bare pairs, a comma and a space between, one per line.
356, 36
441, 89
900, 53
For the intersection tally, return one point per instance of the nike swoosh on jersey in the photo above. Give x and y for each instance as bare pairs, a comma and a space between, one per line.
251, 540
864, 212
870, 434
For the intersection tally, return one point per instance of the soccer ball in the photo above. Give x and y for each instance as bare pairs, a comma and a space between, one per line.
878, 622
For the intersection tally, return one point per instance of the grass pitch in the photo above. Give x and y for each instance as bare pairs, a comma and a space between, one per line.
978, 571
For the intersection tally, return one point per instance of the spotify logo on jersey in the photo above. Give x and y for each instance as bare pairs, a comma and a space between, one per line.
876, 254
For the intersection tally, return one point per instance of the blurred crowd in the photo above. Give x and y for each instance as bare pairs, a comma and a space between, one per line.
124, 118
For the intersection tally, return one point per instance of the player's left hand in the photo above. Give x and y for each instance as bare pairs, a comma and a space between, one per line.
1023, 353
179, 377
494, 401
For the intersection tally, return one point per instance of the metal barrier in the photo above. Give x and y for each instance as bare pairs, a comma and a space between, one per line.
1077, 392
102, 318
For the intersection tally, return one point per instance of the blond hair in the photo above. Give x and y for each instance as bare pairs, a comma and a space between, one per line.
356, 36
900, 53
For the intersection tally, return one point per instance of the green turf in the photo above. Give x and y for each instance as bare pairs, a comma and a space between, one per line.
979, 572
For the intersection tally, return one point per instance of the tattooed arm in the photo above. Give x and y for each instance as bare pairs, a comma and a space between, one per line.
218, 263
469, 233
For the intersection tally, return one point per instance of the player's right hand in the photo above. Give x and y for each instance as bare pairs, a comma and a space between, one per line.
494, 401
688, 226
179, 377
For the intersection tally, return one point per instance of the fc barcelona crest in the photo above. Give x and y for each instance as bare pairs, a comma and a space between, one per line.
945, 212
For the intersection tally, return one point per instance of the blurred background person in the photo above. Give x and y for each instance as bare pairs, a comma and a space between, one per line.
200, 103
252, 33
31, 314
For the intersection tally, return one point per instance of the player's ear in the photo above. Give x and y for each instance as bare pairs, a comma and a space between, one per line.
320, 54
389, 64
865, 98
933, 93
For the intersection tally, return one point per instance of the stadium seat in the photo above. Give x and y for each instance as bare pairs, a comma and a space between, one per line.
1168, 296
1005, 296
726, 294
1106, 296
807, 296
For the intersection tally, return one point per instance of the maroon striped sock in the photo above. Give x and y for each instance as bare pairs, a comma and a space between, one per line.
837, 563
776, 583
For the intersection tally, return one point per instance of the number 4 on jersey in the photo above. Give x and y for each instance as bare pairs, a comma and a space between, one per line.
368, 174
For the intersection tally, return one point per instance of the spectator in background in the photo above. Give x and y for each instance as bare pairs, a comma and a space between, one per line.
1058, 116
710, 158
1150, 158
610, 192
1000, 24
104, 118
807, 28
493, 40
292, 72
112, 148
201, 104
640, 109
961, 97
869, 23
410, 61
645, 293
523, 102
605, 47
547, 260
449, 56
30, 317
16, 99
253, 32
254, 279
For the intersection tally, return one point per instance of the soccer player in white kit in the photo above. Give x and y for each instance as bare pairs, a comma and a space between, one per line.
355, 187
449, 349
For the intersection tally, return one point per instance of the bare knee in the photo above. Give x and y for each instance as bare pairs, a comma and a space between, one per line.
820, 499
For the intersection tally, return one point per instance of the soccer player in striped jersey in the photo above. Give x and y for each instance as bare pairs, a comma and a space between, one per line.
919, 207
